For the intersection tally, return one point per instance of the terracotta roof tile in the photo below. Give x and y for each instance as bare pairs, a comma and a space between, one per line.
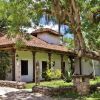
1, 34
5, 41
33, 42
42, 30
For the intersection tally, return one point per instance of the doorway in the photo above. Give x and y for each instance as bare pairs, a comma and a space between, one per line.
44, 68
24, 67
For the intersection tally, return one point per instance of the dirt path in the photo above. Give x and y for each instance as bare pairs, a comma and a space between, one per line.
23, 95
15, 94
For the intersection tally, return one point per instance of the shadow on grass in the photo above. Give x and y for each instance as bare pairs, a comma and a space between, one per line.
95, 95
71, 95
75, 96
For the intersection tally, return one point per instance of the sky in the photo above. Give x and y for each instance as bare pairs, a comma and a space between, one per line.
52, 25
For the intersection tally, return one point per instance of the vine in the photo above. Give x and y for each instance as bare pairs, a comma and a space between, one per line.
4, 64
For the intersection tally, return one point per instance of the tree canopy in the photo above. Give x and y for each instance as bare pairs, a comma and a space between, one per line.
82, 17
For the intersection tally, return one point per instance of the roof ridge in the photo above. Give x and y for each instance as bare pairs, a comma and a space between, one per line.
41, 30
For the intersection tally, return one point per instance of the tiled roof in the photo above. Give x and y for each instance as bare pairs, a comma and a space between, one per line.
1, 34
33, 42
5, 41
43, 30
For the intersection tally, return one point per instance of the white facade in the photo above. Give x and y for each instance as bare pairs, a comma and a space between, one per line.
40, 56
87, 67
24, 55
50, 38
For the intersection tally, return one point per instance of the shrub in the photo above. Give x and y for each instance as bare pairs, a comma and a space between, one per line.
68, 76
53, 73
4, 64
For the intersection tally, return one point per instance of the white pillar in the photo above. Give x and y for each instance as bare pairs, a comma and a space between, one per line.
18, 71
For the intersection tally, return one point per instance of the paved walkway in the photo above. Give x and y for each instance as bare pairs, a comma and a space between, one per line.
4, 90
16, 94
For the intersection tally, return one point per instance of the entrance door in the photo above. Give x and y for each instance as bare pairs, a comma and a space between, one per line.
24, 67
24, 71
63, 70
44, 68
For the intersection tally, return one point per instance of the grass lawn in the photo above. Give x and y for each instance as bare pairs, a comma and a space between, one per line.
54, 83
74, 96
95, 81
60, 83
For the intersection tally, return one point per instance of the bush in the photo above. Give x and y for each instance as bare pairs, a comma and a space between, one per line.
53, 73
4, 64
68, 76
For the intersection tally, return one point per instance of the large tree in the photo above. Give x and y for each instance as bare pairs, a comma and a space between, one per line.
75, 14
18, 13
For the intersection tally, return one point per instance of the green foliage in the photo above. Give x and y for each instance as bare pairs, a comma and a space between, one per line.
4, 64
17, 14
52, 83
53, 73
20, 43
68, 76
70, 42
91, 27
71, 95
95, 81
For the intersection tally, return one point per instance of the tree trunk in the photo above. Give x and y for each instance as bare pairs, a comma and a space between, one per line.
73, 18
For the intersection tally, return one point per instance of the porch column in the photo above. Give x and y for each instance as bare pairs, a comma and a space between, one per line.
34, 59
71, 62
18, 69
49, 59
62, 68
13, 65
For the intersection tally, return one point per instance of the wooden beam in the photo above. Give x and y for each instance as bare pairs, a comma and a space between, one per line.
34, 65
37, 49
13, 64
72, 62
8, 48
49, 59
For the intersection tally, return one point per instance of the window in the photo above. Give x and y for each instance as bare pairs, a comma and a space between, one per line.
64, 64
44, 68
63, 70
53, 63
24, 67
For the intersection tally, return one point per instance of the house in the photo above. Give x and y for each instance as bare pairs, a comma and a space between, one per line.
45, 46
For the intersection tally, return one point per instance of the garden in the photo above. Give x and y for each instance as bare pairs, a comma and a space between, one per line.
93, 95
60, 83
77, 23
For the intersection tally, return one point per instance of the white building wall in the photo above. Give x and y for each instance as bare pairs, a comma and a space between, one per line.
57, 59
41, 56
67, 63
24, 55
87, 67
52, 39
97, 67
